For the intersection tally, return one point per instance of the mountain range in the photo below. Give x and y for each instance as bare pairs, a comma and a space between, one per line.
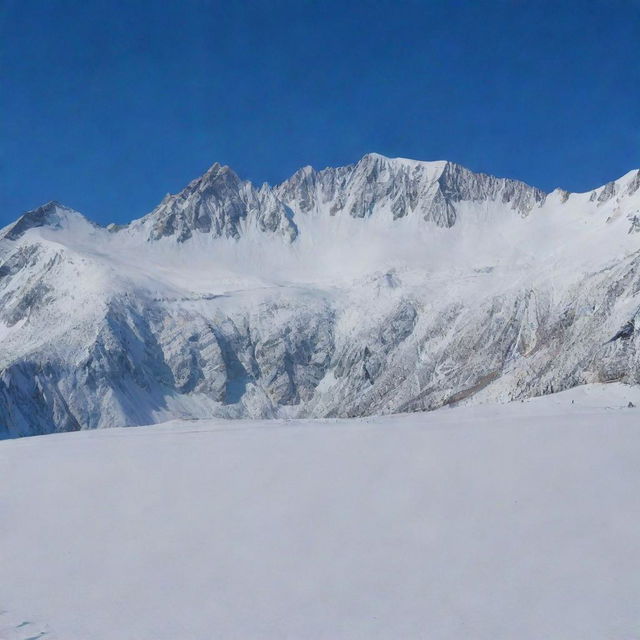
389, 285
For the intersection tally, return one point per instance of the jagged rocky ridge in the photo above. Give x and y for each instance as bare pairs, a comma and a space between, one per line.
220, 204
388, 285
430, 190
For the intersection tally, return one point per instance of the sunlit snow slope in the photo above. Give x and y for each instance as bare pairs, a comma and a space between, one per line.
384, 286
502, 522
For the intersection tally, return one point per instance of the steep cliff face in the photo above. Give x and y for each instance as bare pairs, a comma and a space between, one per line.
388, 285
221, 205
382, 186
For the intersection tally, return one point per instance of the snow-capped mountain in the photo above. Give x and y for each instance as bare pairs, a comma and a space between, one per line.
389, 285
218, 204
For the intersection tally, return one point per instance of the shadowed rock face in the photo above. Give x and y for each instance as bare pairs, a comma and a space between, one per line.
219, 204
52, 214
91, 338
30, 220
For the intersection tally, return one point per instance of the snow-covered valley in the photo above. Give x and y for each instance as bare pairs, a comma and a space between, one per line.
491, 522
384, 286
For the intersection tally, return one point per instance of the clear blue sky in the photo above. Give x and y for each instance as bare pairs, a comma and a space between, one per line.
106, 105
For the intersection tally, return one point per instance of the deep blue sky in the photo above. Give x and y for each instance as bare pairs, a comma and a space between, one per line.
106, 105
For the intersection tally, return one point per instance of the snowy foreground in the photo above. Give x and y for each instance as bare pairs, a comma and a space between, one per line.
511, 521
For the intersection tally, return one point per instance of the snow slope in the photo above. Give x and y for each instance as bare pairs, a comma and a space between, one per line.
494, 522
384, 286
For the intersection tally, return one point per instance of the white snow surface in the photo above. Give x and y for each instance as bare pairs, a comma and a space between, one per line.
514, 521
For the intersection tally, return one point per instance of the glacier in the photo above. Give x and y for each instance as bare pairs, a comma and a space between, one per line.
390, 285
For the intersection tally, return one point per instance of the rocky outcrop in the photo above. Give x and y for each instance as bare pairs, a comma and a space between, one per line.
378, 186
221, 205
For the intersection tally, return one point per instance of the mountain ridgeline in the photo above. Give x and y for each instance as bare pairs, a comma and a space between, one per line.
385, 286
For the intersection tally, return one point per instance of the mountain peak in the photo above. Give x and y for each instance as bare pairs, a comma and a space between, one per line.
51, 214
216, 174
218, 204
433, 165
217, 169
373, 157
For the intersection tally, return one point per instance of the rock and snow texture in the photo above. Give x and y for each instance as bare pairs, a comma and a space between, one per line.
389, 285
484, 523
219, 204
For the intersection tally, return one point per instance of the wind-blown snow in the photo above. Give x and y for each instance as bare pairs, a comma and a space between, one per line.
484, 523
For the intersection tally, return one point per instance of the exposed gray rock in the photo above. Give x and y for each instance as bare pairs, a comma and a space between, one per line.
430, 190
221, 205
